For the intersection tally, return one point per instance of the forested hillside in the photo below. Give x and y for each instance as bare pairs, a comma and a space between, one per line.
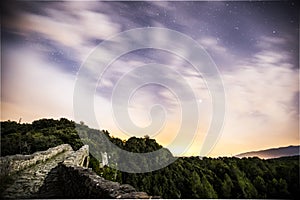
187, 177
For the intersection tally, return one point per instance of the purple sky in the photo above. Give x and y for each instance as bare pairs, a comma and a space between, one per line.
255, 46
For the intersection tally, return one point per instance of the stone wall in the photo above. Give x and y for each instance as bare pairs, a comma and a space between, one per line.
72, 179
63, 176
28, 182
78, 182
14, 163
78, 158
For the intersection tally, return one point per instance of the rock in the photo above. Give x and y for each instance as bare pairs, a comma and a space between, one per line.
135, 195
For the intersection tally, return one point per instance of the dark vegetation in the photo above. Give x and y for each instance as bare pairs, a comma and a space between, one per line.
187, 177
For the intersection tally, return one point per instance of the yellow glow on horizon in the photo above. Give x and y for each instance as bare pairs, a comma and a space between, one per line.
224, 147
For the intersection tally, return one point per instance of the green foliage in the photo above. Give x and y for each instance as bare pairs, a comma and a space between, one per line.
187, 177
196, 185
260, 185
39, 136
226, 187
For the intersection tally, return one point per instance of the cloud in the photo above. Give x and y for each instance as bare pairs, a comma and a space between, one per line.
69, 27
260, 95
212, 44
268, 42
271, 57
31, 91
163, 4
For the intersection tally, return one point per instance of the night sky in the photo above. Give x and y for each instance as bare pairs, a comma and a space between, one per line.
255, 46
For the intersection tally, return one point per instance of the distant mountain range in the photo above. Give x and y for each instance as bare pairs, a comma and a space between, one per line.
272, 153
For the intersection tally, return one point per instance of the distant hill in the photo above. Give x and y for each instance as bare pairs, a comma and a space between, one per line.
272, 153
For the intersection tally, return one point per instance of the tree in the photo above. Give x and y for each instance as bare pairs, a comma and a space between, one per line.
227, 186
196, 185
282, 189
260, 186
207, 190
147, 137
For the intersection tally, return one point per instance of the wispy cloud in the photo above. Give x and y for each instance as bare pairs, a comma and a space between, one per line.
73, 27
29, 90
260, 96
212, 44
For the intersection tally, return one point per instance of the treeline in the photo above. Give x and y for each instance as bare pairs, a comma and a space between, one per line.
222, 178
187, 177
17, 138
